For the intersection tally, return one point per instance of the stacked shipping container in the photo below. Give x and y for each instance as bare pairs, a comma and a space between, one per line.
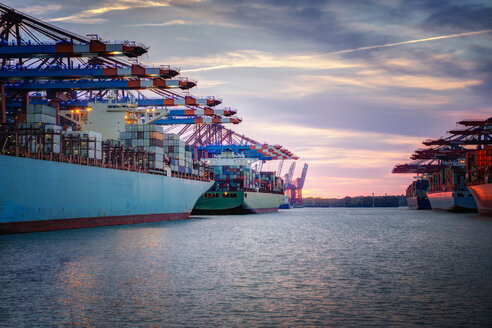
147, 138
85, 144
451, 178
40, 114
140, 148
479, 166
243, 178
181, 157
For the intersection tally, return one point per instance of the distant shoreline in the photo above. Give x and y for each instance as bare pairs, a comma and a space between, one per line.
359, 201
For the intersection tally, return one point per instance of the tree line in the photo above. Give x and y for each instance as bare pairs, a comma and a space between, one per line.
359, 201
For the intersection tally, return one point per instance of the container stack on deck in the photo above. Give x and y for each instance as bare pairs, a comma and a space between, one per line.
446, 179
479, 166
243, 178
146, 138
40, 114
86, 144
181, 156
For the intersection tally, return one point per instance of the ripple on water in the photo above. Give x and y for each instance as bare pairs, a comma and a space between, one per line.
299, 267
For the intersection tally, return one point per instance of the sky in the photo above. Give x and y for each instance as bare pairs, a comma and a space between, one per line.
350, 86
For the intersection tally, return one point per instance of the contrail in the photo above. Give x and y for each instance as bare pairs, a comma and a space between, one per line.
226, 66
409, 42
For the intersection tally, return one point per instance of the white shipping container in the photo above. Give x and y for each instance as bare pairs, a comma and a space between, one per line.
56, 139
40, 109
43, 118
52, 148
91, 154
34, 147
95, 145
53, 128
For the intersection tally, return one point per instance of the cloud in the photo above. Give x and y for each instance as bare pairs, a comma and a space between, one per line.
168, 23
377, 79
37, 10
339, 147
122, 5
202, 83
262, 59
177, 22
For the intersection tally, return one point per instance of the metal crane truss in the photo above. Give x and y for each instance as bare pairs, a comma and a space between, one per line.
16, 73
290, 174
62, 43
471, 133
134, 84
196, 120
418, 168
31, 64
439, 153
450, 150
476, 122
203, 135
247, 150
275, 151
171, 112
479, 133
189, 102
293, 189
202, 112
213, 139
93, 48
302, 179
166, 116
211, 150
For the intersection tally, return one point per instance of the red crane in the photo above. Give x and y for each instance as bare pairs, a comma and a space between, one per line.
294, 188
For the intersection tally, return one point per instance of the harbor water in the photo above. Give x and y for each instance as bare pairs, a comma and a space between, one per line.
314, 267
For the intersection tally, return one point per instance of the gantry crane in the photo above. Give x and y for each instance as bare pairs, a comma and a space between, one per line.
450, 150
42, 63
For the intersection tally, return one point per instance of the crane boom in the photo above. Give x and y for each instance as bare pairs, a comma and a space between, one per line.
300, 185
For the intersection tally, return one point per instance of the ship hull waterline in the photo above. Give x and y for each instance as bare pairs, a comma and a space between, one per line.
418, 203
453, 201
241, 203
483, 197
37, 195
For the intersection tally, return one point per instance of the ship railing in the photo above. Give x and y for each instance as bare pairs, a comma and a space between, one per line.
34, 141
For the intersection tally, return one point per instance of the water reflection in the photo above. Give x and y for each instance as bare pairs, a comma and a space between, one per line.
309, 267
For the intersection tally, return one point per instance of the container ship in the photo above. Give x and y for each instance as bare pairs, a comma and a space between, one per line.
416, 194
239, 189
447, 191
57, 179
479, 178
82, 137
456, 169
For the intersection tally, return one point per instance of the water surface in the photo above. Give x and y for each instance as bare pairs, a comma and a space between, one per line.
298, 267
